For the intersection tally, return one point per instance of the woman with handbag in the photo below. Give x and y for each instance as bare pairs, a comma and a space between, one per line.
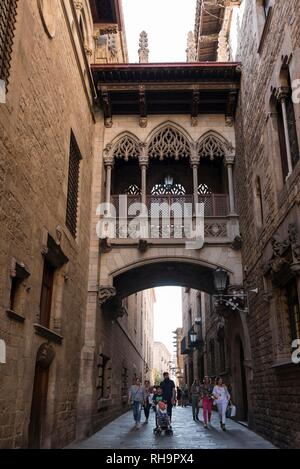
222, 398
207, 400
136, 398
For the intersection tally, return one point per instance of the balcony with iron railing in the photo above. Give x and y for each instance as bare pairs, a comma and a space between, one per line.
166, 216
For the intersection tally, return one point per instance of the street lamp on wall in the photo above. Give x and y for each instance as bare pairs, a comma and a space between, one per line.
220, 280
193, 338
229, 298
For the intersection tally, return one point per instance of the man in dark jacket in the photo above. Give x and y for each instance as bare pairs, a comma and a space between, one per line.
169, 392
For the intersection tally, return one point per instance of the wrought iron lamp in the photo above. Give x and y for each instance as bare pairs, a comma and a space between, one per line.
232, 299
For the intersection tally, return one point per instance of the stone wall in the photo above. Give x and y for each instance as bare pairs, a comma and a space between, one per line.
274, 390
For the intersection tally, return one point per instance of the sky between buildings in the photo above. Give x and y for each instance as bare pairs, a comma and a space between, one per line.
167, 23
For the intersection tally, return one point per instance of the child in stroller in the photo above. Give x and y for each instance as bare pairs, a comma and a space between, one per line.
162, 419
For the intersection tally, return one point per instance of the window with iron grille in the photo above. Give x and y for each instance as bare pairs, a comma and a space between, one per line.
8, 12
73, 186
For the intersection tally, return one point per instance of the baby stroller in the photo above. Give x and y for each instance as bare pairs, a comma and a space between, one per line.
162, 420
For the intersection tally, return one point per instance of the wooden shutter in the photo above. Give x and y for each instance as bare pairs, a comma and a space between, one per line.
73, 185
8, 11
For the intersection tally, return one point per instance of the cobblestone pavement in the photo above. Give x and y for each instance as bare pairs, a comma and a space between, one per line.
120, 434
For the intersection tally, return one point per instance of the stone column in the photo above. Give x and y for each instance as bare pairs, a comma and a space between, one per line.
282, 94
195, 160
143, 160
108, 182
229, 161
195, 183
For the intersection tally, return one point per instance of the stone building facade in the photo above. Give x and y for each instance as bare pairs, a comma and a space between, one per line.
161, 361
264, 37
50, 138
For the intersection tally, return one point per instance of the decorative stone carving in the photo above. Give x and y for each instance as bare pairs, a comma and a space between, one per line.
105, 294
143, 245
293, 238
191, 52
169, 143
126, 148
237, 243
215, 230
143, 50
45, 356
105, 246
211, 147
143, 122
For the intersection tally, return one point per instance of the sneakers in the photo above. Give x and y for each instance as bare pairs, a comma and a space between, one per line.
138, 425
205, 425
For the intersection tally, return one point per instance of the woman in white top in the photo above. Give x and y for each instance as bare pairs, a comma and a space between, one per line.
222, 397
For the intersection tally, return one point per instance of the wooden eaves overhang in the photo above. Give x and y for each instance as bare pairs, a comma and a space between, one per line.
208, 24
170, 88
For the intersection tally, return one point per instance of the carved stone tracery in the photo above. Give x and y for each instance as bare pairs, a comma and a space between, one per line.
169, 143
211, 147
126, 148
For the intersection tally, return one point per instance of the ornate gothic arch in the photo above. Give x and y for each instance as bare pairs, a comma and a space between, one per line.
125, 146
213, 145
169, 141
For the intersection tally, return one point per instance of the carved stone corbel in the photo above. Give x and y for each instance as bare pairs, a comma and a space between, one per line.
105, 245
105, 294
143, 245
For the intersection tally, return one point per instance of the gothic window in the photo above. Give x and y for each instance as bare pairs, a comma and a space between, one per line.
16, 290
169, 143
7, 26
126, 148
211, 147
104, 377
203, 189
73, 186
124, 383
291, 293
292, 129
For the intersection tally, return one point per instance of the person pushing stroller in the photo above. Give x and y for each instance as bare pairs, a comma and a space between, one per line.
162, 418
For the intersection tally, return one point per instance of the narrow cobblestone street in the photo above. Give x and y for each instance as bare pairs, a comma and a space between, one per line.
188, 434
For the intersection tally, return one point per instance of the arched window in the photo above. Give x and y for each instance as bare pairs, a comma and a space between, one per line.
291, 143
211, 147
169, 143
126, 148
81, 27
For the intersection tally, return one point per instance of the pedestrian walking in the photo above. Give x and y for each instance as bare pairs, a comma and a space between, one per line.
178, 395
207, 400
222, 398
147, 403
185, 396
195, 394
136, 398
169, 393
